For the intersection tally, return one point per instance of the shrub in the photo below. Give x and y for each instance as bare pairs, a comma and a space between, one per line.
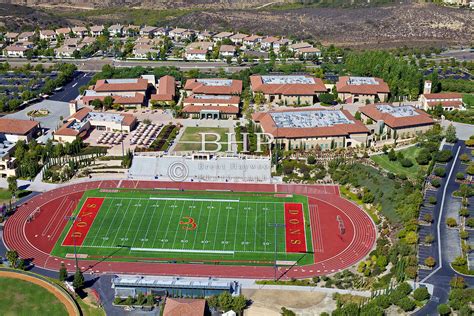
464, 212
423, 157
459, 261
436, 183
469, 142
443, 155
117, 300
451, 222
405, 288
464, 234
464, 157
421, 294
444, 309
392, 156
470, 169
460, 176
432, 199
406, 304
311, 160
430, 262
470, 222
457, 282
411, 238
440, 172
406, 163
428, 218
429, 239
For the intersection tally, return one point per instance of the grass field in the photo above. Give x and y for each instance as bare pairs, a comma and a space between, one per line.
23, 298
189, 226
191, 139
395, 166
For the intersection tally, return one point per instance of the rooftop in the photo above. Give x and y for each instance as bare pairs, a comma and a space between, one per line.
307, 119
17, 127
309, 123
397, 111
396, 116
287, 80
361, 80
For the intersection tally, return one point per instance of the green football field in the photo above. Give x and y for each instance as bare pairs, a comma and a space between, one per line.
186, 226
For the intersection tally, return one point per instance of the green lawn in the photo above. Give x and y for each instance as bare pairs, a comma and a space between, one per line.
191, 139
192, 134
395, 166
230, 227
23, 298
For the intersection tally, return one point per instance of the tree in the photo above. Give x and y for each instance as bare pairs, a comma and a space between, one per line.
78, 282
406, 304
287, 312
459, 261
239, 304
444, 155
406, 163
430, 262
421, 294
63, 273
440, 172
429, 239
464, 212
392, 156
457, 282
464, 157
96, 104
444, 309
451, 222
423, 157
225, 301
213, 301
428, 218
326, 98
450, 134
108, 102
12, 257
411, 238
12, 185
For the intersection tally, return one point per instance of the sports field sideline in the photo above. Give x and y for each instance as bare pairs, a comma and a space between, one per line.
201, 226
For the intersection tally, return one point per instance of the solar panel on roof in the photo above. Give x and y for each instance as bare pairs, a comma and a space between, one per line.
287, 80
308, 119
210, 96
357, 81
397, 111
215, 82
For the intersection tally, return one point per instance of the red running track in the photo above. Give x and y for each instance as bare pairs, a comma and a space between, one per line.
332, 251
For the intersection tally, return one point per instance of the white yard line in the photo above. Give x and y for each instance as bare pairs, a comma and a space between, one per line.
121, 222
149, 223
186, 233
217, 225
159, 224
199, 223
227, 224
141, 220
101, 224
168, 227
177, 229
110, 224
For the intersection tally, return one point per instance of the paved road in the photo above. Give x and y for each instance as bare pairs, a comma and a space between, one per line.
441, 277
71, 90
96, 64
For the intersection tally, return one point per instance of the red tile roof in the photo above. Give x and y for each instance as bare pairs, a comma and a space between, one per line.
17, 127
451, 104
232, 100
444, 95
199, 87
138, 98
166, 89
396, 122
269, 126
222, 109
104, 86
184, 307
342, 86
287, 89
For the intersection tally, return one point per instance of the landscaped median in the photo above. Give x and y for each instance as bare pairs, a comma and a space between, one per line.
28, 288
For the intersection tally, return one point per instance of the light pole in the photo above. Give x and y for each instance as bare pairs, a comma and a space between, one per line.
276, 226
73, 219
